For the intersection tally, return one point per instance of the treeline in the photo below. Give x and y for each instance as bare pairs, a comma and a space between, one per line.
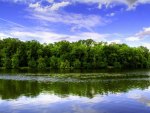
83, 54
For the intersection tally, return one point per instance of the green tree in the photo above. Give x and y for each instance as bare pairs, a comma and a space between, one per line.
54, 62
15, 61
64, 64
64, 54
32, 63
7, 63
77, 64
41, 63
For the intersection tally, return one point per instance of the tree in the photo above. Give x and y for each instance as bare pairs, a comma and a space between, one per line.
54, 62
32, 63
64, 64
15, 61
86, 54
77, 64
41, 63
7, 63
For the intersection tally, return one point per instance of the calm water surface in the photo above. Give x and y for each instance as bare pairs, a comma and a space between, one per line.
45, 94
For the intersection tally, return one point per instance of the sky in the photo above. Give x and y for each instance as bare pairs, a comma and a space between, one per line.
48, 21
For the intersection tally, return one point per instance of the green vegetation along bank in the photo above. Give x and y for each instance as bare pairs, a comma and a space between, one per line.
83, 54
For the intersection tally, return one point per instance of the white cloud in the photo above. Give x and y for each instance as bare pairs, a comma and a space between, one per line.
144, 32
147, 45
34, 5
19, 1
111, 14
42, 36
37, 7
140, 35
57, 6
108, 3
50, 1
133, 38
77, 21
3, 35
48, 8
92, 35
117, 41
50, 14
47, 36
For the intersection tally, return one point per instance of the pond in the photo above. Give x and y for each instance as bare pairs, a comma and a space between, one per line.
100, 92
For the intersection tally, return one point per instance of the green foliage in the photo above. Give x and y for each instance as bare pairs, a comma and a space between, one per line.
54, 62
41, 63
32, 63
103, 64
77, 64
15, 61
85, 54
64, 64
7, 62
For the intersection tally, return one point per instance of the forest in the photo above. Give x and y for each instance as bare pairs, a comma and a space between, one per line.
82, 54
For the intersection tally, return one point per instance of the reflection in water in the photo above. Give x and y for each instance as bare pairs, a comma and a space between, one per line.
74, 95
12, 89
141, 96
46, 103
50, 103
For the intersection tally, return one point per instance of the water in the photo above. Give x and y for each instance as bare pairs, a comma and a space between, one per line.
42, 93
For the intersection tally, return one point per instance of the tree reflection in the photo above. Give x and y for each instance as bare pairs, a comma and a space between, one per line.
11, 89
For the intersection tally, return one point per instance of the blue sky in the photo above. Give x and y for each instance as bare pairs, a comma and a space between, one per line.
48, 21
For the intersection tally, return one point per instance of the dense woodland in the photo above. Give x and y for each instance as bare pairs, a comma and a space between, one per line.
83, 54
